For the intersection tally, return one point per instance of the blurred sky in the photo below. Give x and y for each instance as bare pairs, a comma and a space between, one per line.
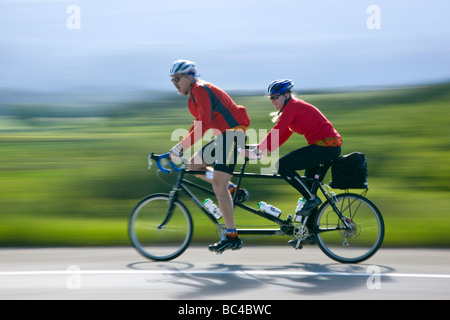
237, 44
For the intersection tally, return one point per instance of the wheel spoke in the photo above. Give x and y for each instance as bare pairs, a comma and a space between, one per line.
156, 242
359, 237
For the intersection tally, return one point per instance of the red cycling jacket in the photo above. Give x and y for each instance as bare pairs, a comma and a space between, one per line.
212, 108
303, 118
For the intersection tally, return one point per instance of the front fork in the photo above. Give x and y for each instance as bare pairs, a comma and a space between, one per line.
173, 195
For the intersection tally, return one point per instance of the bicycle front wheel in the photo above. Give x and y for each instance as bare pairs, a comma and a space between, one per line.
357, 239
155, 232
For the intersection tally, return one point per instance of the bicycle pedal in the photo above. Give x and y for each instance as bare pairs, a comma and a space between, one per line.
296, 244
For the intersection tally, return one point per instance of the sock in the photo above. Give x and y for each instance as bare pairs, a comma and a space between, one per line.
232, 233
231, 188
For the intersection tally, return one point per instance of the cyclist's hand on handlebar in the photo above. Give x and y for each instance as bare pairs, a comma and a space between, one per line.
163, 158
253, 154
176, 152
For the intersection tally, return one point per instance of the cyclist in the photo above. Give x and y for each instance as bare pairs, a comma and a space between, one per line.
213, 108
295, 115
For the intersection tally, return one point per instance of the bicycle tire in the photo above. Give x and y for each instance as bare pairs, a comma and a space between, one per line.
153, 242
356, 244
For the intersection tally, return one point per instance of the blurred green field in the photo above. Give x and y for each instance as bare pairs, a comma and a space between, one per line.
71, 176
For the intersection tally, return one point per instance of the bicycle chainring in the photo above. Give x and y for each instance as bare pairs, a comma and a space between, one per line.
301, 232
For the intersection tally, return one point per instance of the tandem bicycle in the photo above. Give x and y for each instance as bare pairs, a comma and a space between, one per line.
347, 227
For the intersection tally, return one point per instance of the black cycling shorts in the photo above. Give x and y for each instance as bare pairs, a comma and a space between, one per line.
222, 151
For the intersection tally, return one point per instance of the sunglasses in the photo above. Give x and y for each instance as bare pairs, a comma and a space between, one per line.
177, 79
275, 96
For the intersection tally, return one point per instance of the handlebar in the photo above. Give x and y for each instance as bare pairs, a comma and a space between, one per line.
157, 158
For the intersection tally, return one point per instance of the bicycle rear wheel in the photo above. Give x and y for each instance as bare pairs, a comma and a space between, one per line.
153, 239
357, 242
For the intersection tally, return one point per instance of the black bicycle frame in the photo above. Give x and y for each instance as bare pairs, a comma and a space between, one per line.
183, 184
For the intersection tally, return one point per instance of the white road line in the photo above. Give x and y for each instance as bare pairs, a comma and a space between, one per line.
230, 272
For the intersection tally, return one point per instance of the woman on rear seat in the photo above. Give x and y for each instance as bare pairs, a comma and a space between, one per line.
296, 115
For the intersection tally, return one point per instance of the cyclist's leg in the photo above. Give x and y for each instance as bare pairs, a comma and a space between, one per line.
230, 239
198, 162
319, 172
305, 158
224, 164
204, 159
296, 160
226, 157
220, 187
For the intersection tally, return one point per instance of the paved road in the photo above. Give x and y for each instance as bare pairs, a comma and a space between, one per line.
253, 273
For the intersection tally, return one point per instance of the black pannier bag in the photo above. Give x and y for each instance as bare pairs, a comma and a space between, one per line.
349, 172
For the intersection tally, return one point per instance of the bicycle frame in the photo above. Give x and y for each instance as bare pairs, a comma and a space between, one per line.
286, 226
184, 185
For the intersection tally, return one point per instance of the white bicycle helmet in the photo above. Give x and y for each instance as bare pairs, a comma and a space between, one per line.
183, 66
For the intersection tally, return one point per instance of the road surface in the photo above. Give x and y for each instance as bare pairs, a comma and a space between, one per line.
252, 273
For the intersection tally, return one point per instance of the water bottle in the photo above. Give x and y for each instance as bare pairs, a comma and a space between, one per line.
300, 204
209, 204
267, 208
